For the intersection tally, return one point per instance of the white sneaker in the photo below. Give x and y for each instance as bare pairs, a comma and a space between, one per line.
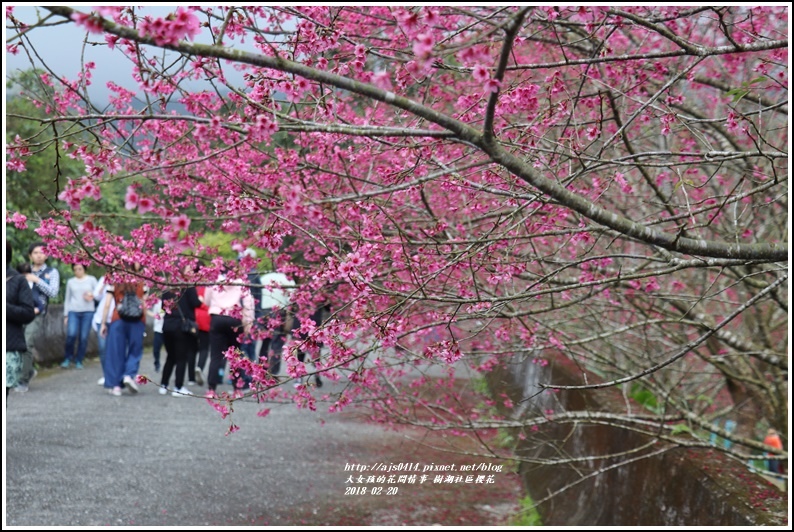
115, 391
163, 390
199, 376
191, 383
130, 383
101, 381
181, 392
21, 388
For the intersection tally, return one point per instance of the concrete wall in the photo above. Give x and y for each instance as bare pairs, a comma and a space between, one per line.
683, 487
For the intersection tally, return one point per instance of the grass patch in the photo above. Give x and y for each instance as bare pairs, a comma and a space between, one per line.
528, 515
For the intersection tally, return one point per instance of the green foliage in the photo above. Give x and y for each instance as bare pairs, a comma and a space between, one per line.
747, 86
681, 428
644, 397
705, 399
480, 386
528, 515
47, 168
34, 191
504, 439
282, 139
221, 243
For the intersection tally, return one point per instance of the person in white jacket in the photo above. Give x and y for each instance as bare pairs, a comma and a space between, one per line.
157, 313
99, 295
276, 292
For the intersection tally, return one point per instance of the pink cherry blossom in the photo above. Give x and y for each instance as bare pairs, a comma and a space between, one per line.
480, 74
111, 40
180, 223
131, 199
492, 85
145, 205
15, 164
382, 80
624, 185
89, 21
423, 46
19, 220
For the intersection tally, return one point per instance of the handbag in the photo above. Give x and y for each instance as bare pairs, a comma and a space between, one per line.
188, 326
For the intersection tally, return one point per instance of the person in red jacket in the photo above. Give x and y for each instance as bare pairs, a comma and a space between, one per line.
203, 322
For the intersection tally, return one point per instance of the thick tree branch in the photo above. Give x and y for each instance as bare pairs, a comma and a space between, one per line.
640, 232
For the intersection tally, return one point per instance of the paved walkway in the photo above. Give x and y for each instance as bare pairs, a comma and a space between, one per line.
76, 456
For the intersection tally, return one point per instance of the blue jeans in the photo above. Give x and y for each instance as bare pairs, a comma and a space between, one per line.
78, 328
248, 347
123, 352
271, 348
101, 342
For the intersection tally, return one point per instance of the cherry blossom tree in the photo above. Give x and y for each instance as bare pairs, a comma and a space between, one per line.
468, 186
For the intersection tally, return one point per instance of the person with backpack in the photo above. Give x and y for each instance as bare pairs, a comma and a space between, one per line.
19, 312
124, 344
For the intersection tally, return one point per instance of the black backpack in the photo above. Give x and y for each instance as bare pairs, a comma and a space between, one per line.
131, 307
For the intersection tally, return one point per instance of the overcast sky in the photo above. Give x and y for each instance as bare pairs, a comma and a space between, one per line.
61, 48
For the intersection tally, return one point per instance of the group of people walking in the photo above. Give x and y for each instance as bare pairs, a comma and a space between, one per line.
197, 325
221, 316
177, 317
225, 315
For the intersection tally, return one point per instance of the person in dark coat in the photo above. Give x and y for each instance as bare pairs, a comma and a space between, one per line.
179, 345
47, 281
20, 310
